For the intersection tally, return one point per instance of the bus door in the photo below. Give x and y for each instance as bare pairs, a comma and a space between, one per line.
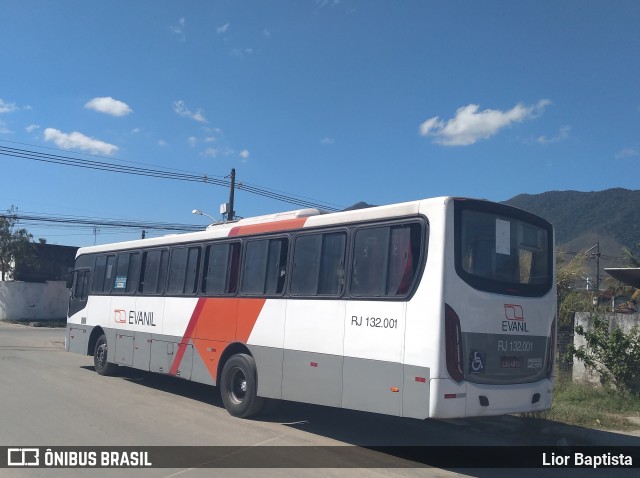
384, 266
78, 337
123, 310
314, 329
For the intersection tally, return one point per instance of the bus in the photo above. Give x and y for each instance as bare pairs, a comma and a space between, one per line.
442, 307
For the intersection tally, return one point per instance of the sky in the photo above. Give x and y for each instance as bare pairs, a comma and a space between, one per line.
339, 101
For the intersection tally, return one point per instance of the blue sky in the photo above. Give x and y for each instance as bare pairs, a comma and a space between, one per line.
336, 100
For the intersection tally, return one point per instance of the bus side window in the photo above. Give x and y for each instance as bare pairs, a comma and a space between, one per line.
331, 279
183, 270
403, 261
306, 264
265, 266
133, 274
370, 262
104, 274
122, 267
318, 264
385, 260
276, 266
221, 269
98, 273
81, 285
154, 272
127, 270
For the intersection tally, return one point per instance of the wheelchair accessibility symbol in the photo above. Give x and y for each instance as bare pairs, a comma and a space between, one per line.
476, 362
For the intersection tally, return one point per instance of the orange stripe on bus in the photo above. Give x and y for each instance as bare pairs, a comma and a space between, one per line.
221, 321
287, 224
182, 346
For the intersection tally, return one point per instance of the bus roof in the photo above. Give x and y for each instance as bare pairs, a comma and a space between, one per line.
282, 221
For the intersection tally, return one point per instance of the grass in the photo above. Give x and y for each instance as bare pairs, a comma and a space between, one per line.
591, 406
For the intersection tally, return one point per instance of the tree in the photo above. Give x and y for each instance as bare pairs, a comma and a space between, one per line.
15, 244
570, 300
567, 273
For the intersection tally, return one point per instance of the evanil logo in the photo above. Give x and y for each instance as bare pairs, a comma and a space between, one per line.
515, 319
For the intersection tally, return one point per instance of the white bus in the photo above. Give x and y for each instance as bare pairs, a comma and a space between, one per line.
442, 307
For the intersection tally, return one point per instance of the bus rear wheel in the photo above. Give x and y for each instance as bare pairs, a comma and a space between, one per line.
239, 387
100, 357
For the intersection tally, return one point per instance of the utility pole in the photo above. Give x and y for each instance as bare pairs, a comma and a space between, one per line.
597, 256
231, 213
598, 267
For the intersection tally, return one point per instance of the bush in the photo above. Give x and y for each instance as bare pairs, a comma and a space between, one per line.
611, 352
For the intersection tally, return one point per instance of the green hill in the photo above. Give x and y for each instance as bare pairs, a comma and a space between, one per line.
581, 219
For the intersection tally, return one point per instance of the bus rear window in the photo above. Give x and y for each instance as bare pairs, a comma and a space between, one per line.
503, 250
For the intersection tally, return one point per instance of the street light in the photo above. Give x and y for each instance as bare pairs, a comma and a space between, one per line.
198, 212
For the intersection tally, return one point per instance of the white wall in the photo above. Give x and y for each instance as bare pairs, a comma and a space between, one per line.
33, 301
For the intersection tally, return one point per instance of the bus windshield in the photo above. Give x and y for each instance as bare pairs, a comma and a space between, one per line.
504, 250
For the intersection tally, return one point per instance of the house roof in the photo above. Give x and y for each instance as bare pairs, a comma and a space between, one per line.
628, 275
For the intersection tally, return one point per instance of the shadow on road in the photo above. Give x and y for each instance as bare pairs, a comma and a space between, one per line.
373, 430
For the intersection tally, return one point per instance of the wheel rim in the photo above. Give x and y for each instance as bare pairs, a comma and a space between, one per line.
238, 385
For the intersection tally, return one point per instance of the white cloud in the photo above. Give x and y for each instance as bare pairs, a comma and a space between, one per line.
244, 154
108, 106
79, 141
327, 140
32, 127
210, 152
214, 133
192, 141
266, 33
470, 125
162, 143
7, 107
178, 29
226, 151
563, 134
241, 52
324, 3
4, 129
627, 153
180, 108
223, 29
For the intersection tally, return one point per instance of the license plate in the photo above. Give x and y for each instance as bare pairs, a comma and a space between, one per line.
510, 362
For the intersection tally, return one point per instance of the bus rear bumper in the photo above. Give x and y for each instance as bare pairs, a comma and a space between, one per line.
453, 400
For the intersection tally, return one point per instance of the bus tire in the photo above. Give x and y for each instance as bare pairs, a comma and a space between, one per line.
100, 357
239, 386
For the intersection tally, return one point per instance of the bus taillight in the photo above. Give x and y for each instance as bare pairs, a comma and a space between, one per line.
453, 339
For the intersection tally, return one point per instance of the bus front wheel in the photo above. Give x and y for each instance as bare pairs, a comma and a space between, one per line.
239, 386
100, 357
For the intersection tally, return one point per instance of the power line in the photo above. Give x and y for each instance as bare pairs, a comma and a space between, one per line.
74, 221
602, 256
166, 173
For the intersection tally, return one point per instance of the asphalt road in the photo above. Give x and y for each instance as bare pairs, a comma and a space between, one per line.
49, 397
